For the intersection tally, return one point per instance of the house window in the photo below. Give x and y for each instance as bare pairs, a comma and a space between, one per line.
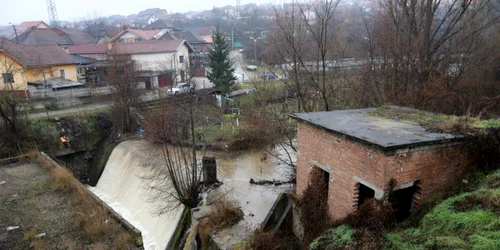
181, 59
62, 73
7, 77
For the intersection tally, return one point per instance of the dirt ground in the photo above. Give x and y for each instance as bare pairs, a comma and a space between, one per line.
27, 200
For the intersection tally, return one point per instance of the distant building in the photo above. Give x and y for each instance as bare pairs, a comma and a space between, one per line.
161, 63
149, 16
94, 51
24, 26
54, 36
135, 35
8, 32
24, 65
160, 24
206, 33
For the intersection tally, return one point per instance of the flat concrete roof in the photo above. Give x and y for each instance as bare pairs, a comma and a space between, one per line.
384, 134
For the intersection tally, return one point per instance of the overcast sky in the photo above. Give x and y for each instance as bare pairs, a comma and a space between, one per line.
17, 11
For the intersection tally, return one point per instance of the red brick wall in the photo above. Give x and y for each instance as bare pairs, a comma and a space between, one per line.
436, 168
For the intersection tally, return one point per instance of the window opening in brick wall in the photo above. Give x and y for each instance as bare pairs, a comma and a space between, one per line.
364, 193
403, 200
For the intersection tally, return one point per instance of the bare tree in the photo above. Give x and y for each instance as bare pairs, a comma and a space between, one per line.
174, 127
272, 108
430, 46
123, 78
94, 24
308, 40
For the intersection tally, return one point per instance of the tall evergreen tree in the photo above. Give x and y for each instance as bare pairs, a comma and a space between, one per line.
221, 67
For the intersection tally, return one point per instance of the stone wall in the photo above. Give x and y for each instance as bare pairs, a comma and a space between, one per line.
350, 163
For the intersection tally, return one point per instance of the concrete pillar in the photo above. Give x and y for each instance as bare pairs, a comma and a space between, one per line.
209, 166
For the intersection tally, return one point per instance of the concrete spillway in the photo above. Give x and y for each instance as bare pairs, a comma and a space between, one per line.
124, 187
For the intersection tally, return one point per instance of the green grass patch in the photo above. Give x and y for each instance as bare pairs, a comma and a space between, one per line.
216, 132
466, 221
491, 123
40, 186
433, 121
81, 114
334, 238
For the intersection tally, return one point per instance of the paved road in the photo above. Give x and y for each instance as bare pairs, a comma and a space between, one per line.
69, 111
241, 74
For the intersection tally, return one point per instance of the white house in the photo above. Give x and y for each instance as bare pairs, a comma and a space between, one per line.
152, 19
164, 62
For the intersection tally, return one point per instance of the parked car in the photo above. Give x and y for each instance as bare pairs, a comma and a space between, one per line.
251, 67
266, 75
242, 50
181, 88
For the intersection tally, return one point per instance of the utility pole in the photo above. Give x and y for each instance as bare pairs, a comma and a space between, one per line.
15, 31
255, 50
232, 34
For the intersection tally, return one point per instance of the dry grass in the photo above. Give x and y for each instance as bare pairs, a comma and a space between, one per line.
62, 179
191, 237
122, 241
30, 235
451, 124
87, 213
271, 240
37, 244
224, 214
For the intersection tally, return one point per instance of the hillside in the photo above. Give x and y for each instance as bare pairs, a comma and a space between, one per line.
469, 220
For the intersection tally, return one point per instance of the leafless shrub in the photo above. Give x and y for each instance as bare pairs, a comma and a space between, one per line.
313, 206
272, 240
224, 214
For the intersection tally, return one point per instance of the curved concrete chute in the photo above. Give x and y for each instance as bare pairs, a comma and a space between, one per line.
124, 186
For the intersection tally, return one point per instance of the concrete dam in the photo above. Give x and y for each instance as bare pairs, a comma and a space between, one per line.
127, 187
124, 187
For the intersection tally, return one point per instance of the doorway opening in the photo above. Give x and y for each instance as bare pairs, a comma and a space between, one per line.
402, 200
321, 180
364, 193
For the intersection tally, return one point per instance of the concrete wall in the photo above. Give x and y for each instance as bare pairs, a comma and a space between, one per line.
350, 163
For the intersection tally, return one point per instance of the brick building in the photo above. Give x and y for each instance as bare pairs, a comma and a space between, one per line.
358, 154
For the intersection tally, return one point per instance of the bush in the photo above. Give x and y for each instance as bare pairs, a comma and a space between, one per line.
224, 214
271, 240
51, 105
62, 179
